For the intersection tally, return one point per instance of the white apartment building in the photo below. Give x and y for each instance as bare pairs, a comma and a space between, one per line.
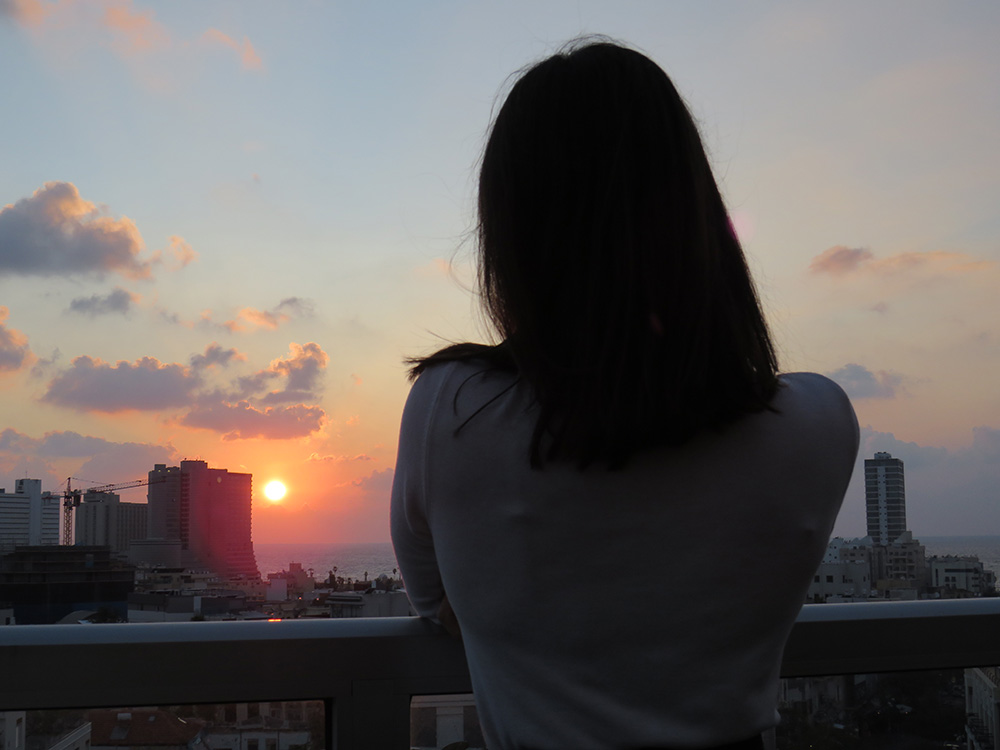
27, 517
103, 520
839, 581
961, 574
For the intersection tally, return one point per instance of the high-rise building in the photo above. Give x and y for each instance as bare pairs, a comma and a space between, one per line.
885, 498
207, 512
27, 517
102, 519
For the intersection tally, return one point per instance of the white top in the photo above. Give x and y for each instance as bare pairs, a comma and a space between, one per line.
645, 606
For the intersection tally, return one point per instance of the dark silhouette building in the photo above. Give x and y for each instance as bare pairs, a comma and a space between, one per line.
885, 498
205, 513
46, 583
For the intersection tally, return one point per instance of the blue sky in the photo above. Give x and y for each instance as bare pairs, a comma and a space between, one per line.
256, 210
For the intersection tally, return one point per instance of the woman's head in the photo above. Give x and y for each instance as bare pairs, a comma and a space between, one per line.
595, 199
608, 265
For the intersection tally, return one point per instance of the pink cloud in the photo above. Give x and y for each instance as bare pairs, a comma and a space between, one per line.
14, 350
250, 318
935, 261
181, 252
242, 421
303, 366
145, 385
249, 58
136, 31
56, 232
27, 12
840, 260
133, 34
302, 370
338, 459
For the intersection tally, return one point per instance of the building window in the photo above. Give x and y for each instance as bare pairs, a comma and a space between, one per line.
252, 744
829, 579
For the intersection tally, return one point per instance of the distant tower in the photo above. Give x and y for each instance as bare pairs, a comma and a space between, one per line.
28, 517
208, 512
885, 498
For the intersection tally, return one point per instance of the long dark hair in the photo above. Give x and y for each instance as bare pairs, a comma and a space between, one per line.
608, 265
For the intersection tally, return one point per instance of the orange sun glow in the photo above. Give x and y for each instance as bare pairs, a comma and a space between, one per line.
274, 491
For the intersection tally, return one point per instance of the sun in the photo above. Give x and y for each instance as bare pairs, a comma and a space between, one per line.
274, 491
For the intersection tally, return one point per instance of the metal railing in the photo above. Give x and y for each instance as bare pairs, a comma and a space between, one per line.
367, 669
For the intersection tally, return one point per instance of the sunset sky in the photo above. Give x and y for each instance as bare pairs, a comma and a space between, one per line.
224, 224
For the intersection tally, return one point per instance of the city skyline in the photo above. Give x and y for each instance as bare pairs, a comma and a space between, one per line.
221, 231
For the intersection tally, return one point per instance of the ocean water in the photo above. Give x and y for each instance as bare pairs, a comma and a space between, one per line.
353, 560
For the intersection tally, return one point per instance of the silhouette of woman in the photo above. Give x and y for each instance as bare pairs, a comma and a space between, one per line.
621, 503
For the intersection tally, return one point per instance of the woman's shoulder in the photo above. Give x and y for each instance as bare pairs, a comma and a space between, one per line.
812, 391
818, 411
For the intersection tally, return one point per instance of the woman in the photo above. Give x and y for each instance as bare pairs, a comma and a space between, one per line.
622, 502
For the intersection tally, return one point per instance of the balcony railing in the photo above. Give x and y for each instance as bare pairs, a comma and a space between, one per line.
366, 670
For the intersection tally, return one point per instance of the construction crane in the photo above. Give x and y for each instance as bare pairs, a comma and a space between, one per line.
72, 499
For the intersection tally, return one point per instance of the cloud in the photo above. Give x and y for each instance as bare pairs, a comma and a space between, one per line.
243, 410
134, 35
216, 355
250, 317
60, 444
338, 459
14, 350
843, 261
44, 364
145, 385
135, 31
860, 382
55, 232
241, 421
302, 370
298, 307
303, 367
839, 260
377, 485
125, 462
118, 301
180, 252
27, 12
107, 460
249, 58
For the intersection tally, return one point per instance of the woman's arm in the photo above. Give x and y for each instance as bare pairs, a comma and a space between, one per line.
411, 535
